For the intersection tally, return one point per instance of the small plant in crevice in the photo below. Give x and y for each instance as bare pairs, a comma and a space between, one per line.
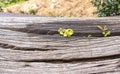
89, 35
66, 32
104, 29
69, 32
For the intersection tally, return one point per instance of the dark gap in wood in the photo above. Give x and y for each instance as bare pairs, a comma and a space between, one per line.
81, 28
118, 66
32, 49
48, 32
27, 65
100, 65
74, 60
94, 73
50, 28
3, 45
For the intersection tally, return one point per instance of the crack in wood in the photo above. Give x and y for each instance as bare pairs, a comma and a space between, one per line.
101, 65
81, 28
74, 60
101, 57
3, 45
118, 66
26, 65
49, 32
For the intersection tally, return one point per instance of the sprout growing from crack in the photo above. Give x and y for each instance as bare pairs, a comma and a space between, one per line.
66, 32
104, 30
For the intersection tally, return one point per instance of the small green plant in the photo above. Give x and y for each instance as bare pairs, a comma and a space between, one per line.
66, 32
104, 30
107, 7
89, 35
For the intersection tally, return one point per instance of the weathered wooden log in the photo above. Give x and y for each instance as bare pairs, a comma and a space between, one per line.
32, 45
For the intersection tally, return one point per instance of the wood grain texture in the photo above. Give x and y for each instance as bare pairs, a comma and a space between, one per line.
32, 45
95, 67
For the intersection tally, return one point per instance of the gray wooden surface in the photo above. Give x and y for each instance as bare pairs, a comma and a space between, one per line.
32, 45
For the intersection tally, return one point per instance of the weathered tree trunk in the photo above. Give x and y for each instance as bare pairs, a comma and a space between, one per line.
32, 45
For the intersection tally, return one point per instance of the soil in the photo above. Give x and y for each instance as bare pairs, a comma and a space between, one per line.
59, 8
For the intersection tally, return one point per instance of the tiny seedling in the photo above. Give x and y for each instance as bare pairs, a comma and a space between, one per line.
89, 35
104, 30
66, 32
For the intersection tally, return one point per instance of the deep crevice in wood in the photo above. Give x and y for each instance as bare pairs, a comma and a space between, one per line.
82, 28
74, 60
3, 45
48, 32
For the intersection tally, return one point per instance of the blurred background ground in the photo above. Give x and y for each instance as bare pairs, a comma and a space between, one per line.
59, 8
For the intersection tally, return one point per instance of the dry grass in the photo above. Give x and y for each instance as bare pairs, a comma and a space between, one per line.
65, 8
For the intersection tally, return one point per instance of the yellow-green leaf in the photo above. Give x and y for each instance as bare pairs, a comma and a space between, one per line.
107, 33
100, 27
61, 33
105, 28
65, 35
103, 33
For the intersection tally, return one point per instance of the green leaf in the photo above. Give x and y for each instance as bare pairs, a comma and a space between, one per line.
69, 32
89, 36
105, 28
100, 27
65, 35
107, 33
61, 33
119, 6
103, 33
